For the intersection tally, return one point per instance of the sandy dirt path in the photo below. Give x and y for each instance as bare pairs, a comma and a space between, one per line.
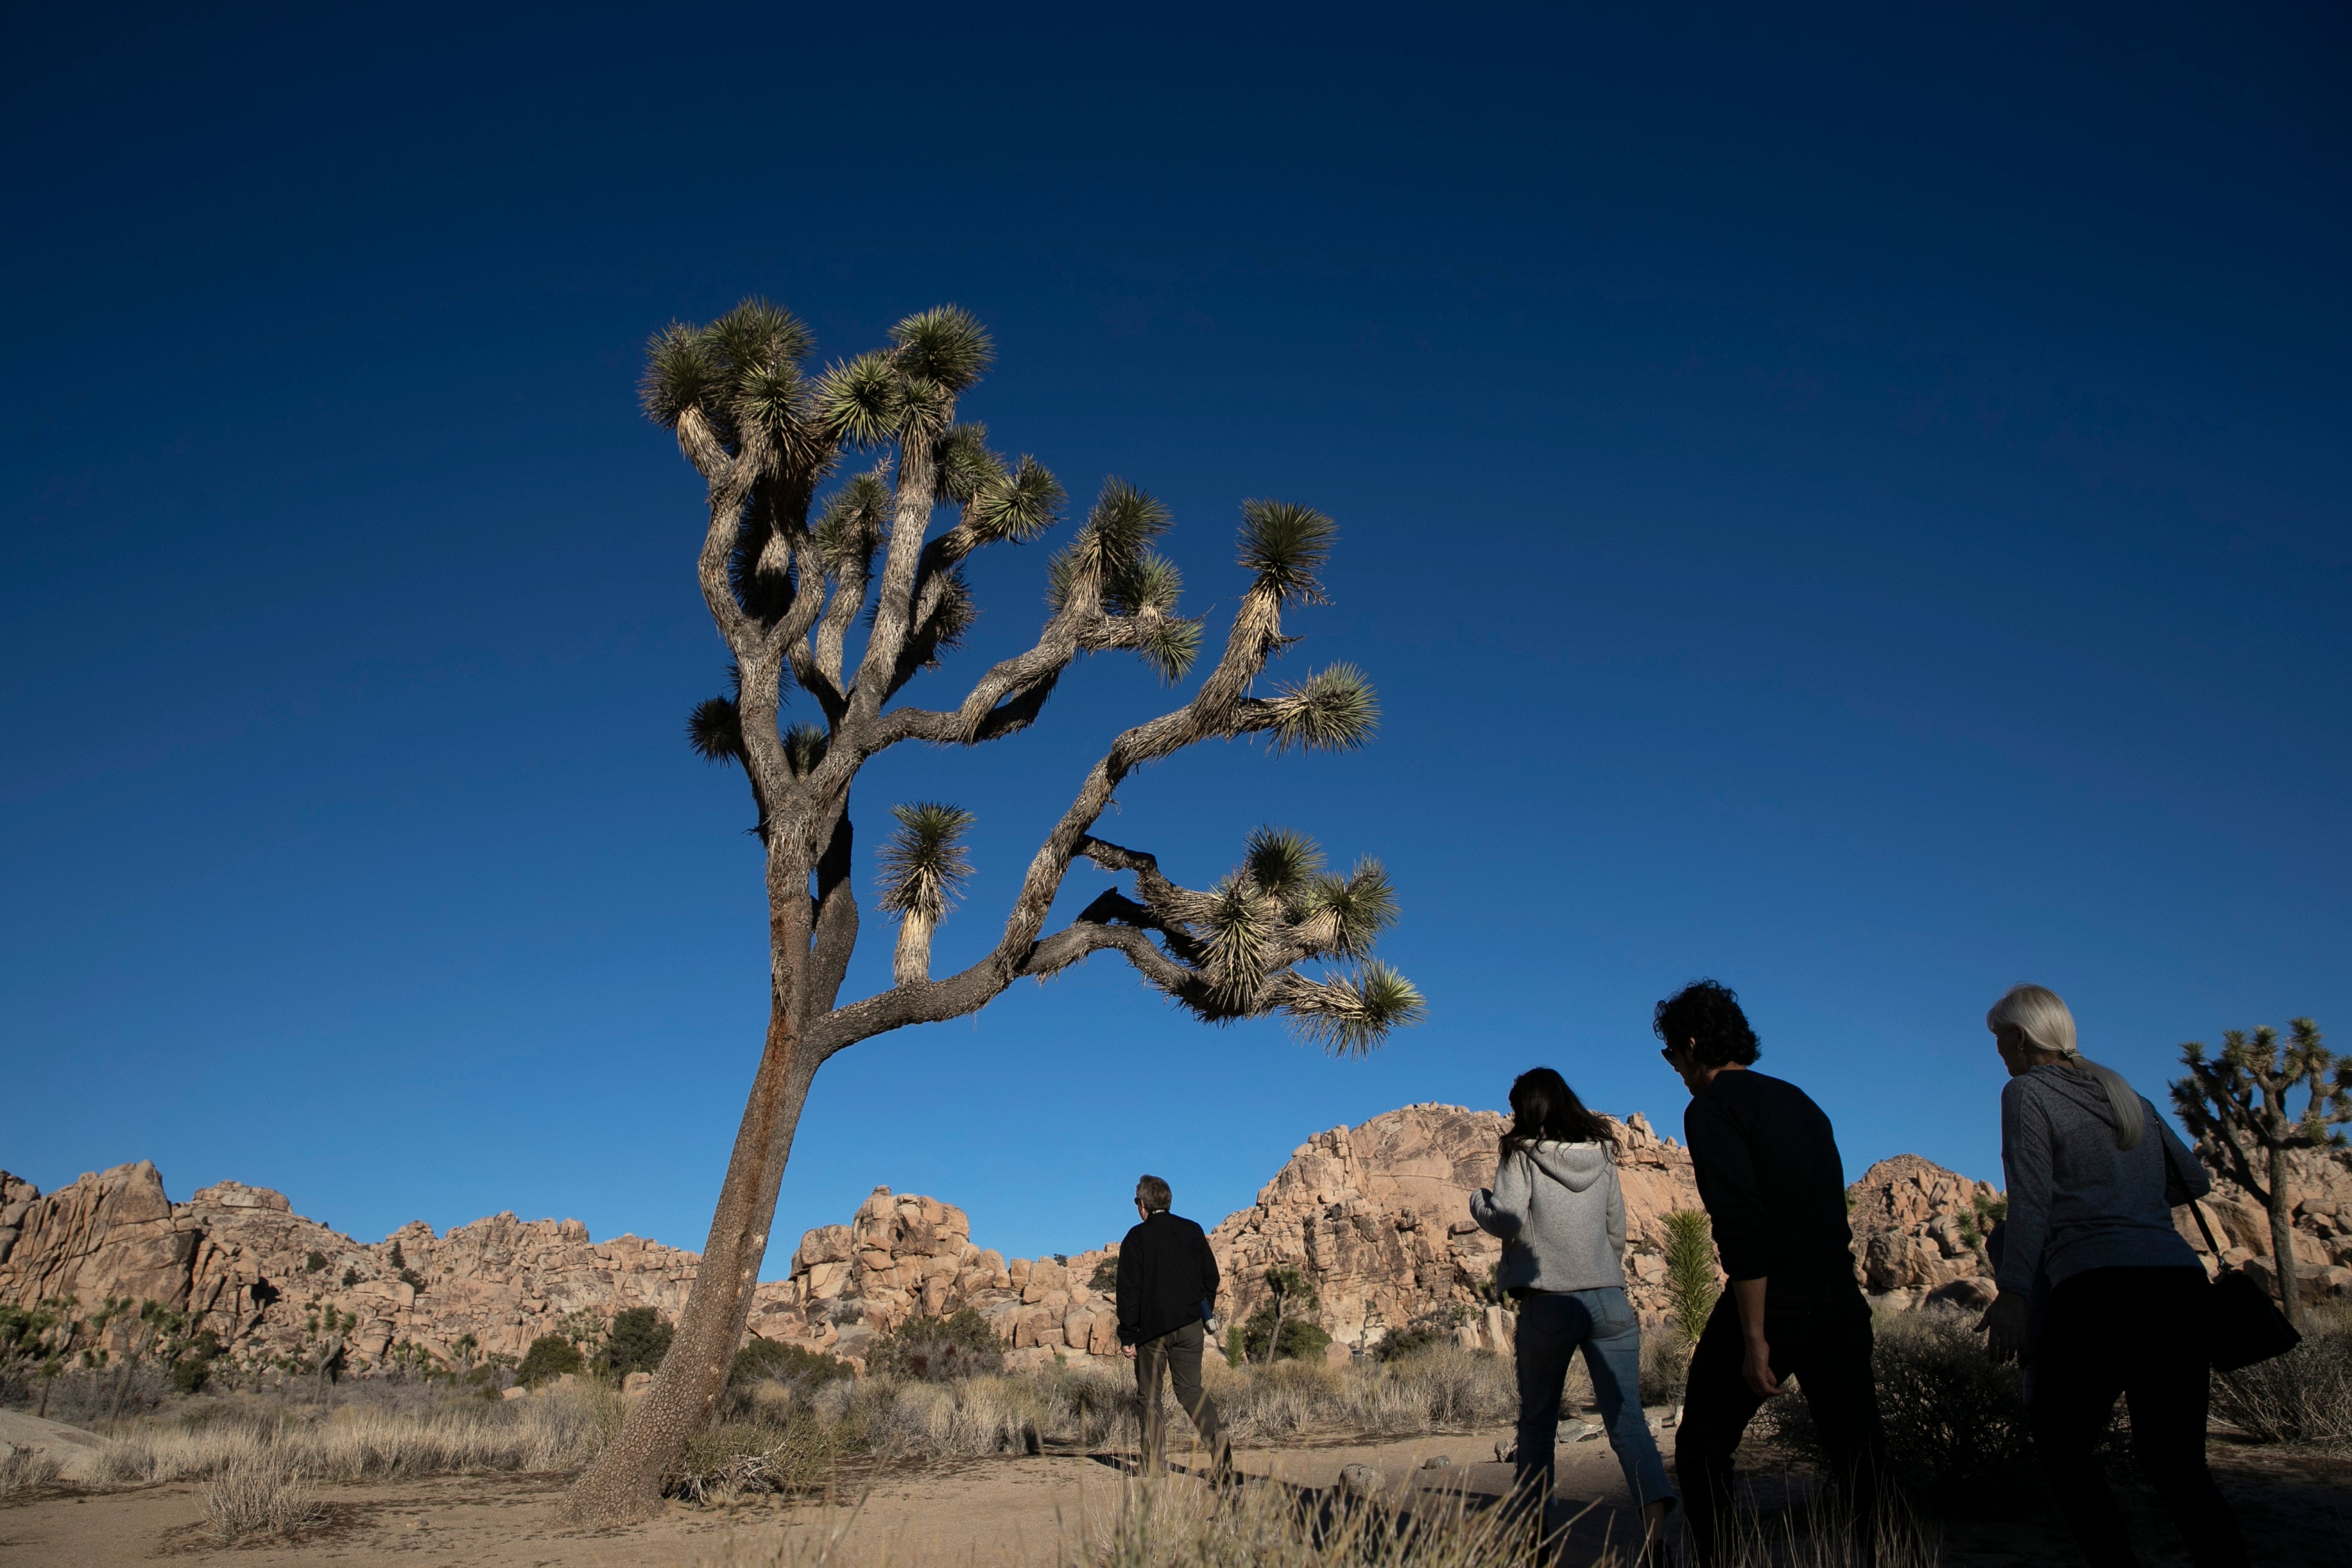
1005, 1511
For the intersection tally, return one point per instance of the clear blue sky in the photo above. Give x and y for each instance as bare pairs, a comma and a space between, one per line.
1855, 507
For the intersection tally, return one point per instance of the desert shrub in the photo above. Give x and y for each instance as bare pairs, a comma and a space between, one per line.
549, 1357
258, 1497
351, 1276
786, 1363
1106, 1275
2302, 1397
1301, 1340
636, 1341
1665, 1368
1428, 1332
1954, 1419
937, 1350
193, 1368
25, 1470
314, 1262
730, 1458
398, 1433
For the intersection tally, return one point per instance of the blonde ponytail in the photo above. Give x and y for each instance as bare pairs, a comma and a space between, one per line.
2037, 1014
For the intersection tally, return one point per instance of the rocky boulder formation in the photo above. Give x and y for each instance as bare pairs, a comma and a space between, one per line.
1378, 1217
904, 1256
241, 1261
1918, 1234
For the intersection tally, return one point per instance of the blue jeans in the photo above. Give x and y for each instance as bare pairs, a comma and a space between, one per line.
1552, 1327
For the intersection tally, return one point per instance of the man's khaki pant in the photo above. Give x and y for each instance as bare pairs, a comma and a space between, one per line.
1179, 1350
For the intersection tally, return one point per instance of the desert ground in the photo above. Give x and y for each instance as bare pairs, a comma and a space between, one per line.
1043, 1510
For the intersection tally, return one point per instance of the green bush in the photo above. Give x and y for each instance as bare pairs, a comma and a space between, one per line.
937, 1350
312, 1264
1301, 1340
777, 1361
636, 1341
1106, 1275
351, 1277
1431, 1331
549, 1358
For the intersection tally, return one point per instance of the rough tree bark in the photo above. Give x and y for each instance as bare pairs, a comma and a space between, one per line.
785, 593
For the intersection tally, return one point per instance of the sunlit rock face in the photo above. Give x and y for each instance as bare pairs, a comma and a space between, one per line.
1376, 1216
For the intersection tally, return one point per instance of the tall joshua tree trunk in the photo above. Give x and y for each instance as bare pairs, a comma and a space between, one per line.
2237, 1105
785, 593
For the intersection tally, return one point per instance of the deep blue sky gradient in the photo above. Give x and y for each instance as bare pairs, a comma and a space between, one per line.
1855, 506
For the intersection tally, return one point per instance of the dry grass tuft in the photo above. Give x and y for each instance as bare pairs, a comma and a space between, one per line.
25, 1470
555, 1432
2302, 1397
255, 1498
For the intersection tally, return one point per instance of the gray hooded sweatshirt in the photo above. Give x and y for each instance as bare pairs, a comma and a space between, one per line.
1561, 1216
2076, 1201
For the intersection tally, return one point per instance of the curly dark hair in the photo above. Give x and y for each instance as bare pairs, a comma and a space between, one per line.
1709, 1014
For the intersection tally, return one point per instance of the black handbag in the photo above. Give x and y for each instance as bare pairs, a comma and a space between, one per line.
2244, 1325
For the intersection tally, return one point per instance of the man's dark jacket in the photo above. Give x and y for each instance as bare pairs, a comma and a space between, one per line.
1165, 1271
1769, 1172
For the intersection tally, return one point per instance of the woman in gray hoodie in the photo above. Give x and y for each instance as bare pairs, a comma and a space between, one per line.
2097, 1288
1560, 1213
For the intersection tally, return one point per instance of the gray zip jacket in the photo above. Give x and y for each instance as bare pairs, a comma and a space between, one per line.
2076, 1201
1561, 1216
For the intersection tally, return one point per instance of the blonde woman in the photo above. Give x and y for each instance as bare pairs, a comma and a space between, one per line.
2116, 1299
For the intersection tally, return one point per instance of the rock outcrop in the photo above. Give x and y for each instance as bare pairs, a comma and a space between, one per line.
242, 1262
1377, 1216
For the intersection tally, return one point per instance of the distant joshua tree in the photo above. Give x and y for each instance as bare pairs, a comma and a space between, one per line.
2218, 1102
787, 575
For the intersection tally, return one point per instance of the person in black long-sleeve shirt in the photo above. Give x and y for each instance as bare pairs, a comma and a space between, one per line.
1769, 1172
1167, 1286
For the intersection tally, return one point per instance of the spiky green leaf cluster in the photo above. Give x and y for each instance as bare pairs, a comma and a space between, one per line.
715, 730
907, 391
804, 748
1333, 710
850, 525
1286, 545
1018, 506
742, 373
1282, 862
1116, 533
924, 864
945, 345
1349, 1014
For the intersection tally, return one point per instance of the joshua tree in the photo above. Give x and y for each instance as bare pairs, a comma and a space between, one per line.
787, 574
2218, 1101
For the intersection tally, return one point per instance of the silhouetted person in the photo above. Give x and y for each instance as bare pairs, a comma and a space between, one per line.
1769, 1172
2117, 1300
1167, 1286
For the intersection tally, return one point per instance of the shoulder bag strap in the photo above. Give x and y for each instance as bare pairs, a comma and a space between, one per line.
2194, 1206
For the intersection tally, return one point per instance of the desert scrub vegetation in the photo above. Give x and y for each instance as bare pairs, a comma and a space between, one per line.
256, 1496
1955, 1421
562, 1430
25, 1470
2302, 1397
